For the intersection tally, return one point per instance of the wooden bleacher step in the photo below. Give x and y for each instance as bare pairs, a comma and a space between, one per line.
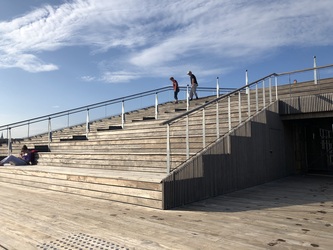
145, 118
148, 194
148, 118
42, 148
75, 138
180, 109
113, 127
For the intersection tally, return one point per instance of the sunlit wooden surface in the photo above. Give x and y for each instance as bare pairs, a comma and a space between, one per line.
291, 213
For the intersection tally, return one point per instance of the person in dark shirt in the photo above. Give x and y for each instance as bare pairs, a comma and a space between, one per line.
25, 154
194, 85
175, 88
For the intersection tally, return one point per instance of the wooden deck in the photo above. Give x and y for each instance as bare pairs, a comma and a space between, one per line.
291, 213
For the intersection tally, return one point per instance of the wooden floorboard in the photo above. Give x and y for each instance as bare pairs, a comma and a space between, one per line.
291, 213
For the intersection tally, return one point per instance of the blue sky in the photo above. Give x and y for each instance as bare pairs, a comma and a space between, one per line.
57, 55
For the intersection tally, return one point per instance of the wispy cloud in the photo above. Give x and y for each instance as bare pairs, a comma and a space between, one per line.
119, 76
88, 78
155, 35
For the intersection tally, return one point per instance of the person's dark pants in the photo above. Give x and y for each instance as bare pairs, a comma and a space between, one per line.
176, 95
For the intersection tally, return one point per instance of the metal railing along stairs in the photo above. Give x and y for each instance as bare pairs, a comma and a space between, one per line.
252, 98
269, 93
163, 93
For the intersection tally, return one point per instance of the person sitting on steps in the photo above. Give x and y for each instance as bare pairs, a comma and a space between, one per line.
25, 154
26, 158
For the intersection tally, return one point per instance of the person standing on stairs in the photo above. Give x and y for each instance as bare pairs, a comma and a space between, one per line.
194, 85
175, 88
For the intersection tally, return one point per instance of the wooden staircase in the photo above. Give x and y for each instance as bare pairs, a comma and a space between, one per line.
128, 164
114, 163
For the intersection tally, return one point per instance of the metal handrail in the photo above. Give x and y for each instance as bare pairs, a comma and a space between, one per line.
84, 108
226, 96
245, 89
304, 70
98, 105
170, 121
87, 108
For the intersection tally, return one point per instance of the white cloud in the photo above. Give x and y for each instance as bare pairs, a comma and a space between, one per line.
164, 34
119, 76
88, 78
27, 62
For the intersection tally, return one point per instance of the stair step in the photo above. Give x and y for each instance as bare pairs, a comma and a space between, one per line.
75, 138
148, 118
144, 118
113, 127
42, 148
101, 185
180, 109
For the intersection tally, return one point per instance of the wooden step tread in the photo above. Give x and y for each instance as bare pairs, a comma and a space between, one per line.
87, 172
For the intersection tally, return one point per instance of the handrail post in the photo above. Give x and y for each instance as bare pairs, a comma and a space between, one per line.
270, 90
257, 98
229, 112
168, 148
246, 82
9, 140
217, 87
187, 98
122, 114
87, 124
248, 103
263, 93
239, 107
187, 138
156, 106
276, 88
315, 70
49, 133
204, 127
217, 121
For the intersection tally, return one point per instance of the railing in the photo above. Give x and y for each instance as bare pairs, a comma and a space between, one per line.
68, 114
252, 98
264, 92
